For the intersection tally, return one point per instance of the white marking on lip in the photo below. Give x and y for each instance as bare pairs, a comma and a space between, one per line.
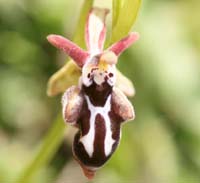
88, 139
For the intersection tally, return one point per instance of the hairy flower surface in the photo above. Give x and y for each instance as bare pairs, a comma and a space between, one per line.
96, 106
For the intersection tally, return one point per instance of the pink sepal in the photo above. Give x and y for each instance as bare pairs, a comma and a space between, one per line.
70, 48
95, 30
124, 43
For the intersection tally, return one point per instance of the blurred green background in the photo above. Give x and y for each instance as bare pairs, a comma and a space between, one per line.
162, 145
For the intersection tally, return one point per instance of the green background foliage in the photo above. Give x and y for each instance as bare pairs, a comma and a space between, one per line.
161, 145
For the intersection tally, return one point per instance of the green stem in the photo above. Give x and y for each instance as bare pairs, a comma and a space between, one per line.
55, 135
47, 150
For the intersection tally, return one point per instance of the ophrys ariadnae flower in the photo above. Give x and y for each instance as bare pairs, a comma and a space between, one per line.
96, 106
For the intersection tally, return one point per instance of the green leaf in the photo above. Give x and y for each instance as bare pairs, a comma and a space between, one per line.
124, 16
115, 11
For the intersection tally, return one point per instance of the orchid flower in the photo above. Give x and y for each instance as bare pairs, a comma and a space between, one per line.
96, 106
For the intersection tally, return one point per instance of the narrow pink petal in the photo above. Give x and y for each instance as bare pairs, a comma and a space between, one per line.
95, 30
124, 43
74, 51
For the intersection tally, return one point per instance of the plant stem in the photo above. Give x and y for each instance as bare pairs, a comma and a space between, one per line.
47, 150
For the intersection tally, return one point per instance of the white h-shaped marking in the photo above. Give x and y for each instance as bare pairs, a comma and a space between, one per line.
88, 139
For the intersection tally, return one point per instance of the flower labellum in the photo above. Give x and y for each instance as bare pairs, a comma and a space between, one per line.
96, 106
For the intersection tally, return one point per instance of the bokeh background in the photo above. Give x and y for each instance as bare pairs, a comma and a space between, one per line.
162, 145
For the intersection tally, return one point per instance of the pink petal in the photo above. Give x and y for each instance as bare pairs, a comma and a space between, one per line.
95, 31
124, 43
74, 51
